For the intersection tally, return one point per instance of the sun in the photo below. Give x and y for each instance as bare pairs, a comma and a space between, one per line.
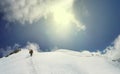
62, 19
62, 16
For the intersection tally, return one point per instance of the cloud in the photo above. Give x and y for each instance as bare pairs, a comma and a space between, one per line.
113, 51
9, 49
33, 46
33, 10
29, 45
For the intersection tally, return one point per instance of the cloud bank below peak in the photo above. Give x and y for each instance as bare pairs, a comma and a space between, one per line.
113, 51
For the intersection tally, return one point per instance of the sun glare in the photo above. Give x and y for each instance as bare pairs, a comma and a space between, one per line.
62, 16
62, 22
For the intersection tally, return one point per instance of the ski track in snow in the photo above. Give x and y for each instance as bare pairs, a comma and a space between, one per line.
31, 66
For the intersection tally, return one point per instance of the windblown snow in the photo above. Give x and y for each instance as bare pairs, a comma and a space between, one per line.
58, 62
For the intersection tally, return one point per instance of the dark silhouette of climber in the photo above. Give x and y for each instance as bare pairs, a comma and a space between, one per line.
31, 52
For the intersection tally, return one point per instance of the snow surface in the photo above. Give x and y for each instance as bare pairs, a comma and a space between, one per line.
58, 62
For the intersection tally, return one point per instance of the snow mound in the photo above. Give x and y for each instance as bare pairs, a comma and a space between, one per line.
82, 53
58, 62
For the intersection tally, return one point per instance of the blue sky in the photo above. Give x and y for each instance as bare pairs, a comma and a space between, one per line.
100, 17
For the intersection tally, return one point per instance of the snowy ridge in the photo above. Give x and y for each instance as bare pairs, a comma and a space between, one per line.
58, 62
82, 53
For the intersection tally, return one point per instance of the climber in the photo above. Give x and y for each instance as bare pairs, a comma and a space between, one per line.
31, 52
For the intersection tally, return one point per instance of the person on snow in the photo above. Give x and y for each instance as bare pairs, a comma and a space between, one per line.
31, 52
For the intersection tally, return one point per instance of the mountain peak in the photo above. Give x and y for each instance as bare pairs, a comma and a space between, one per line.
61, 61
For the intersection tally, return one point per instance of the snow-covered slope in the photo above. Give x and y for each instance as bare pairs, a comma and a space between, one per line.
58, 62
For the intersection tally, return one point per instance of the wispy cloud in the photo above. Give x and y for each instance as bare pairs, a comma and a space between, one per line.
29, 45
33, 10
33, 46
113, 51
9, 49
